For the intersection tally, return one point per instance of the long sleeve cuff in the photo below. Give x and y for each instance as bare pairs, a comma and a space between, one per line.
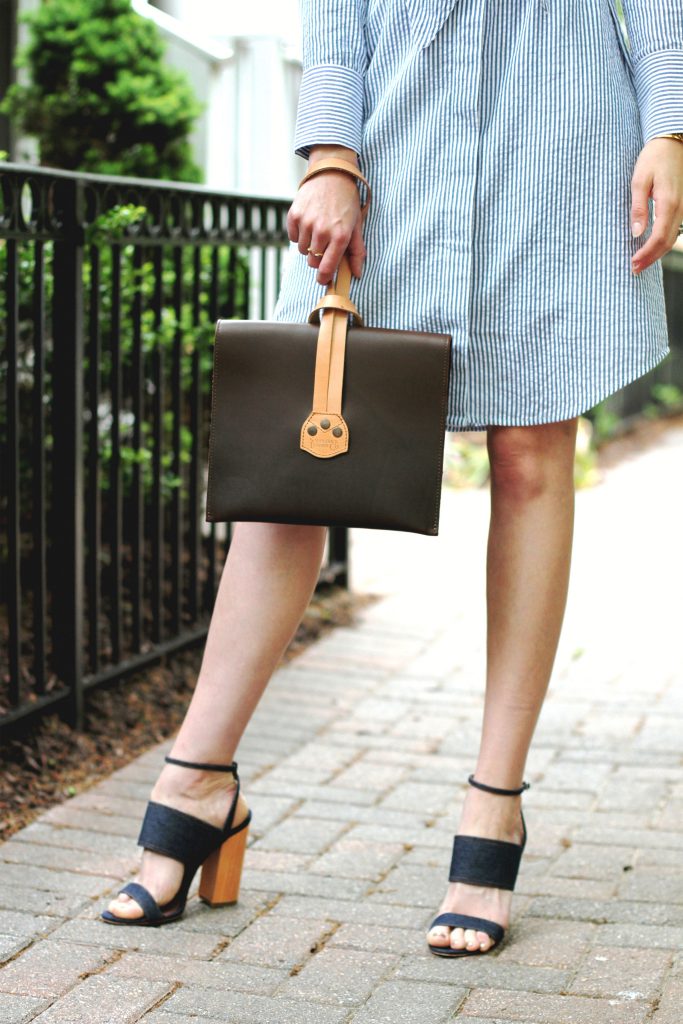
330, 110
658, 80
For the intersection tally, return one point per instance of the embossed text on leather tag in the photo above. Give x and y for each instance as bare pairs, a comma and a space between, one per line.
324, 434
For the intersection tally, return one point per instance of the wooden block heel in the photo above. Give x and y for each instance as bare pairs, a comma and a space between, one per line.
219, 882
195, 843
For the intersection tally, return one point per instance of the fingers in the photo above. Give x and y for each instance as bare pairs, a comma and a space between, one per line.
668, 215
325, 218
333, 249
658, 173
357, 251
332, 245
641, 186
333, 252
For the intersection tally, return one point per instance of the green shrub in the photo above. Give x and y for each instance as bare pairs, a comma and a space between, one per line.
137, 284
667, 399
101, 97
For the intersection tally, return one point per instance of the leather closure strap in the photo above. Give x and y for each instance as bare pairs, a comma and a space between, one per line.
324, 432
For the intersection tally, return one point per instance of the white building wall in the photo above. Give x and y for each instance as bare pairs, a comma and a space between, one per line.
244, 63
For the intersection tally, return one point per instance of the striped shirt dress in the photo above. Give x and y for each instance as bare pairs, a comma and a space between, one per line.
499, 138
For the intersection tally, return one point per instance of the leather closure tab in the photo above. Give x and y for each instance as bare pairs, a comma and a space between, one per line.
325, 434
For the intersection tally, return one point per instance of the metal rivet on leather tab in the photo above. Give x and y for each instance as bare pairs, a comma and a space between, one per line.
337, 431
312, 430
325, 424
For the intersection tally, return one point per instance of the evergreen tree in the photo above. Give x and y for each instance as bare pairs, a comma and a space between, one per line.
101, 97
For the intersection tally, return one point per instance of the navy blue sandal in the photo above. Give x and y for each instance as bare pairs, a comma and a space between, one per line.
487, 862
195, 843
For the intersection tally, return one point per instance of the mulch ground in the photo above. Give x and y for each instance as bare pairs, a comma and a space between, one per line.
50, 762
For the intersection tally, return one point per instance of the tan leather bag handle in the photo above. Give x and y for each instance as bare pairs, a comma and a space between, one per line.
324, 432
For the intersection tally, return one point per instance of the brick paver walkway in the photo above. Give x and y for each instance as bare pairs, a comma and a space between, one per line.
354, 766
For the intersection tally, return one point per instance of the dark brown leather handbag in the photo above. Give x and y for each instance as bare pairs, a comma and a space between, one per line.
368, 450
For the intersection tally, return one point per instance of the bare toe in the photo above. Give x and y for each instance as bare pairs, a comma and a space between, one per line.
125, 906
458, 938
438, 936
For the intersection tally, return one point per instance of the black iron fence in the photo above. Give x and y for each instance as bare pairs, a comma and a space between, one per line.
109, 291
111, 288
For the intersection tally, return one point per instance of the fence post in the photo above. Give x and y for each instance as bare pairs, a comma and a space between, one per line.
67, 462
339, 554
672, 264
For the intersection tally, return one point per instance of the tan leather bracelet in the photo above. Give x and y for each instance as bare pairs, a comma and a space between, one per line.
336, 163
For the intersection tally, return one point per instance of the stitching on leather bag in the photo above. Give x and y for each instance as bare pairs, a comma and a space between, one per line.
439, 467
212, 424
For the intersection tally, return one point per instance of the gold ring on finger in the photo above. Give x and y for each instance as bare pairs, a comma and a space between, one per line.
315, 253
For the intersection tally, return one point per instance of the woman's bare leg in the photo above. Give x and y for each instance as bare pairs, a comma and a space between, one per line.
529, 555
268, 579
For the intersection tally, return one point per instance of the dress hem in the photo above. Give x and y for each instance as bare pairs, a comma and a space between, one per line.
455, 424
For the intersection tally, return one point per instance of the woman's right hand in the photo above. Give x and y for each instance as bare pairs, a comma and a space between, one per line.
326, 217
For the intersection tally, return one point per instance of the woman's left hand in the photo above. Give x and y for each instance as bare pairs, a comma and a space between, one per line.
658, 173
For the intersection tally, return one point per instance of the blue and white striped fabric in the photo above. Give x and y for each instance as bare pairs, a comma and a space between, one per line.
499, 138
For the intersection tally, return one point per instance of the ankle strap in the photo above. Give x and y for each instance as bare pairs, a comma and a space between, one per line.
494, 789
232, 767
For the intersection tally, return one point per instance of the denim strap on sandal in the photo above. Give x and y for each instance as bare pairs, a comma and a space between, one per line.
492, 863
477, 924
150, 906
195, 843
178, 834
